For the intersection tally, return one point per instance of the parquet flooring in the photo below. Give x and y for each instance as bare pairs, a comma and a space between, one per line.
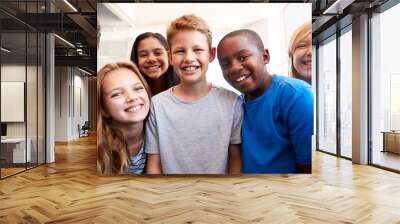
69, 191
9, 171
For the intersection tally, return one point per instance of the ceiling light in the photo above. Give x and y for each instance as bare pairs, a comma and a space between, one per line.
338, 6
64, 40
70, 5
84, 71
5, 50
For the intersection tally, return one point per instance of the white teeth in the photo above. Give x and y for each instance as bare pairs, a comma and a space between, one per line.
153, 67
241, 78
190, 68
134, 109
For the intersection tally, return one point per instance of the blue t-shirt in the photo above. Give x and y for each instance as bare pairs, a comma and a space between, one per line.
277, 128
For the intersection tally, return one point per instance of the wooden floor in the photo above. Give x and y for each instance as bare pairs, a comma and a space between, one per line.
387, 159
69, 191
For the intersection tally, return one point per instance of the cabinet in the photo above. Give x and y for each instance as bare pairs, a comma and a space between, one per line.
391, 141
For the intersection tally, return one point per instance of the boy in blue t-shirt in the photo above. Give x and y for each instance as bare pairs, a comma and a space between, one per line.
278, 111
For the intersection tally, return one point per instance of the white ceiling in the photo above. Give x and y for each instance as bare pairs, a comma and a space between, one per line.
132, 17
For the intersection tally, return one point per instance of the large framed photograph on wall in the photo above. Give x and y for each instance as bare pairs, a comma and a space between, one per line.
210, 88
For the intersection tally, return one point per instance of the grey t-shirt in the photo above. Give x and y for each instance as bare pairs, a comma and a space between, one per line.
193, 137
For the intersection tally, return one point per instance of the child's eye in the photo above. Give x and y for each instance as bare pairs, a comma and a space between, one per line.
138, 88
224, 65
198, 50
302, 45
114, 95
178, 52
142, 55
158, 53
242, 58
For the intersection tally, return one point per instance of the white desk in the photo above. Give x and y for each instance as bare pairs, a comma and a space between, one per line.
17, 146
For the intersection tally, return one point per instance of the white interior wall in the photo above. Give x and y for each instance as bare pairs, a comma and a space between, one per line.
80, 114
68, 82
34, 125
14, 73
61, 103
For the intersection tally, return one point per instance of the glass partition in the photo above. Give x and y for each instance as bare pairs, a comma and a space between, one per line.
41, 110
31, 98
327, 96
346, 93
385, 89
13, 95
22, 89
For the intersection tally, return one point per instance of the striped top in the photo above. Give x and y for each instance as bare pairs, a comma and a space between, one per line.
137, 162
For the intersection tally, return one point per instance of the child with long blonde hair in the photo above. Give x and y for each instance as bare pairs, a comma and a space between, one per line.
124, 101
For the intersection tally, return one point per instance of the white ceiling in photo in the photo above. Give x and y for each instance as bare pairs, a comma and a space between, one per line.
136, 17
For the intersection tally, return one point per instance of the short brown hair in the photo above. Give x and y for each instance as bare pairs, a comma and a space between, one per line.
189, 22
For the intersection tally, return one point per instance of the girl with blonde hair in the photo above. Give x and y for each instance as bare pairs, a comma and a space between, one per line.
124, 101
300, 53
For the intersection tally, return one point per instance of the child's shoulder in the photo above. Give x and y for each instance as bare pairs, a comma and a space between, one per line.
288, 85
161, 97
224, 93
225, 96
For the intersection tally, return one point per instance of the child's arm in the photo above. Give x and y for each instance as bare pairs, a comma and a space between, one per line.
153, 164
301, 123
152, 146
234, 149
235, 161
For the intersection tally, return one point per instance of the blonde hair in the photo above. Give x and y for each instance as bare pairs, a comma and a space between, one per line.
112, 152
301, 32
189, 22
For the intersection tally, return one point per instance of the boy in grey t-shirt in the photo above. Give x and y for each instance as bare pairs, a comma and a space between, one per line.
194, 127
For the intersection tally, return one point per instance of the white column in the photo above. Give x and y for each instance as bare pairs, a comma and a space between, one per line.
50, 99
50, 92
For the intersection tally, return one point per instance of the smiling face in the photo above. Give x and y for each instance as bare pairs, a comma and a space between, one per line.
125, 99
152, 58
302, 62
243, 64
190, 56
